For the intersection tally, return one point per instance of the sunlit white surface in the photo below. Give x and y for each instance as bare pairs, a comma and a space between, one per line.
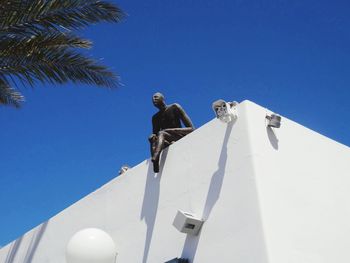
267, 195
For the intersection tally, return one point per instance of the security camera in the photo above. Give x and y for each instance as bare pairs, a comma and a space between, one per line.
274, 120
225, 111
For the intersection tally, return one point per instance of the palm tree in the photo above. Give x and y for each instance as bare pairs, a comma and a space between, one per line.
37, 43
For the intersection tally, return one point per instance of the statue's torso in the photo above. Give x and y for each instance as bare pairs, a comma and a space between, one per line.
169, 118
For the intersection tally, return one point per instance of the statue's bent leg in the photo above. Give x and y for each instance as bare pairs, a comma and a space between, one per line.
163, 140
152, 142
161, 143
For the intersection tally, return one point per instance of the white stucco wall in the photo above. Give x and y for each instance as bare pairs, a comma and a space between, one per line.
303, 182
266, 197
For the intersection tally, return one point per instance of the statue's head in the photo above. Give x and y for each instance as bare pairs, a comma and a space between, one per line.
158, 100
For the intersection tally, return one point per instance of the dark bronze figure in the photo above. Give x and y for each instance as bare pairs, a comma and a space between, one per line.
167, 127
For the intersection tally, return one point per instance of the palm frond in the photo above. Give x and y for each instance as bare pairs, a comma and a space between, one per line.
58, 66
8, 95
36, 44
28, 16
22, 45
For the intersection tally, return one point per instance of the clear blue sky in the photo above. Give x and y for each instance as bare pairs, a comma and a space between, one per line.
292, 57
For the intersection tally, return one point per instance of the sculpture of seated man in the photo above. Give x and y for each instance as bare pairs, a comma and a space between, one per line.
167, 128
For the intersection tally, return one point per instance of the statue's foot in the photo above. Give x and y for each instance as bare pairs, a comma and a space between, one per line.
155, 166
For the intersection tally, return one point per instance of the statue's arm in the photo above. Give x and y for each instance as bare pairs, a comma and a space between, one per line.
184, 117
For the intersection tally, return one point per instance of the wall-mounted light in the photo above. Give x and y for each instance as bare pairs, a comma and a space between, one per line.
225, 111
187, 223
274, 120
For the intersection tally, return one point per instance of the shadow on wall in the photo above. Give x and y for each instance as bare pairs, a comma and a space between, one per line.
13, 250
150, 201
34, 243
272, 137
191, 242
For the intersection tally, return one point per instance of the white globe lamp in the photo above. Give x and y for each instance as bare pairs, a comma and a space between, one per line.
91, 245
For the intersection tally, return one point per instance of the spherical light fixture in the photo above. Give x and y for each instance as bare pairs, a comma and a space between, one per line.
91, 245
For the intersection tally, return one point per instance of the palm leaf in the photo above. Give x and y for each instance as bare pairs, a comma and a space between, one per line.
29, 16
57, 66
36, 43
8, 95
22, 45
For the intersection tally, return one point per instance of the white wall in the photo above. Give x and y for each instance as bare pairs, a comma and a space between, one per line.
303, 187
265, 198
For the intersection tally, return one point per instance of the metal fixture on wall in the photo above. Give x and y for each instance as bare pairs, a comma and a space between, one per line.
123, 169
274, 120
225, 111
187, 223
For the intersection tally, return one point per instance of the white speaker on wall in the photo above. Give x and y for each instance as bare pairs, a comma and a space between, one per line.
187, 223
